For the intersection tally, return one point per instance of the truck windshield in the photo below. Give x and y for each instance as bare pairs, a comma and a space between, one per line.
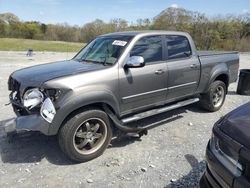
105, 50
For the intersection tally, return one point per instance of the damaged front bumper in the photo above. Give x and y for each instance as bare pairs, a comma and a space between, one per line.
31, 122
27, 123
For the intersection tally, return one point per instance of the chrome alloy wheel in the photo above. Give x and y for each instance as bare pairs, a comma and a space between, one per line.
218, 96
90, 136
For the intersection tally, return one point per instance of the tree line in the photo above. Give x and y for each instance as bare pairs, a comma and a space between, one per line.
228, 32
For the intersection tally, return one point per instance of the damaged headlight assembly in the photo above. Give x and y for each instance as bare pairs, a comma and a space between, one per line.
34, 97
48, 110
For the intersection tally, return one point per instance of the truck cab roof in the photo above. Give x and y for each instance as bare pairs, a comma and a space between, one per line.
147, 32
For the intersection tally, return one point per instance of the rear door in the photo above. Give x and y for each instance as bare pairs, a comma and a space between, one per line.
145, 86
183, 67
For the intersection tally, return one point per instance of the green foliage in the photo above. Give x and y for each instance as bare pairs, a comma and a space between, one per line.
2, 28
221, 33
231, 32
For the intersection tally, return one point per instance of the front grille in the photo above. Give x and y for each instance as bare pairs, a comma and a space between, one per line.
15, 98
13, 85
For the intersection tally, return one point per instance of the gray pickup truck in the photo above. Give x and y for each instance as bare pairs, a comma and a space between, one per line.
116, 79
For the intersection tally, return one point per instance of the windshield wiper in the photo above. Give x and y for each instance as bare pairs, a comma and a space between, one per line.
96, 62
106, 57
105, 62
88, 60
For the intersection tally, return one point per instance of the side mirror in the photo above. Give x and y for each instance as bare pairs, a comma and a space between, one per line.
135, 62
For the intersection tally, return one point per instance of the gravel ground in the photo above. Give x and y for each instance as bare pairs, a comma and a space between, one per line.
171, 155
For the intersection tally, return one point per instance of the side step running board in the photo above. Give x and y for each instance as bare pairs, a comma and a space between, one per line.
159, 110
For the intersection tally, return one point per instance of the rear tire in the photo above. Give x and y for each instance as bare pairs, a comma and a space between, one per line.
85, 135
215, 97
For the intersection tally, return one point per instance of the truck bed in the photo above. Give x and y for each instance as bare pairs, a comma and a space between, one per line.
215, 60
212, 53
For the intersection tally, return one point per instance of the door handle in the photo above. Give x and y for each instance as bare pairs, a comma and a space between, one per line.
193, 66
160, 71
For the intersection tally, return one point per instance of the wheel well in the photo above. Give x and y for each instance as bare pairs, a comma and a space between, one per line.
94, 105
223, 78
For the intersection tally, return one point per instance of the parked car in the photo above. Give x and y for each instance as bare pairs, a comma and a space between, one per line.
116, 79
228, 151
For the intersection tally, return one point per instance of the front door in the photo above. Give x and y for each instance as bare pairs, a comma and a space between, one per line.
145, 86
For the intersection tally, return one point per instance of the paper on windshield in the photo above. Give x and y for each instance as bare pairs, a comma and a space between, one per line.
119, 43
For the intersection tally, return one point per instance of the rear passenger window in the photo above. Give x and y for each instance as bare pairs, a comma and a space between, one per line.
150, 48
178, 47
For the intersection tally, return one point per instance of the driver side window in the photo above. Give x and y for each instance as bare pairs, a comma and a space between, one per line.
150, 48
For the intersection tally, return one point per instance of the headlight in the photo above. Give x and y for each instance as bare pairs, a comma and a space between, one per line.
32, 98
48, 110
229, 160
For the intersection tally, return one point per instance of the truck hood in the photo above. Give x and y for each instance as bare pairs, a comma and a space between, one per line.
236, 124
36, 75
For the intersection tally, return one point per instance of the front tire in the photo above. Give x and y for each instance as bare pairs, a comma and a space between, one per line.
215, 97
85, 135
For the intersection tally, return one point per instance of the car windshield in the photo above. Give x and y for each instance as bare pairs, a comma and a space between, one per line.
105, 50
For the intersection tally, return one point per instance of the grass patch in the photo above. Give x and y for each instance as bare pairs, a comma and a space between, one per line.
12, 44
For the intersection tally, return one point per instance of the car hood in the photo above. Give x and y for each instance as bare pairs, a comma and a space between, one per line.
36, 75
236, 124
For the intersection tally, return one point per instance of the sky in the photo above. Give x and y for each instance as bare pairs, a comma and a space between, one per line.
80, 12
